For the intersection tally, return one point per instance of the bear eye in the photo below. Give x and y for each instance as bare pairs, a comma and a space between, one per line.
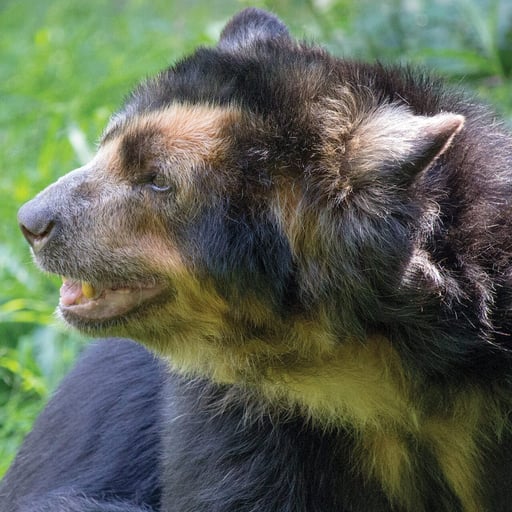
159, 183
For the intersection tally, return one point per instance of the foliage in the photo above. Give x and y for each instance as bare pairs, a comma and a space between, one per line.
65, 67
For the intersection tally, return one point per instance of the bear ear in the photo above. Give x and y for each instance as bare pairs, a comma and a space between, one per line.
250, 26
431, 137
394, 138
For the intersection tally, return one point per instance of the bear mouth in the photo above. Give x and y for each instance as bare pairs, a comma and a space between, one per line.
97, 303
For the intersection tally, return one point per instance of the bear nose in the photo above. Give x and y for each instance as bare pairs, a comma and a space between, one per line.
37, 224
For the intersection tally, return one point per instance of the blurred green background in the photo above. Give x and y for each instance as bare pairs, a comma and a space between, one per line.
65, 66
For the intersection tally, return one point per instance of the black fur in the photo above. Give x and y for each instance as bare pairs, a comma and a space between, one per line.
96, 446
271, 464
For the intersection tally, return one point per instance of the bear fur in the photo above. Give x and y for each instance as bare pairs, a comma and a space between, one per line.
320, 251
97, 444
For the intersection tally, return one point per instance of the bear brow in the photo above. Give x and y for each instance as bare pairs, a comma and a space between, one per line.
180, 133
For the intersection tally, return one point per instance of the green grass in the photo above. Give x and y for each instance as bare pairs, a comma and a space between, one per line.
65, 67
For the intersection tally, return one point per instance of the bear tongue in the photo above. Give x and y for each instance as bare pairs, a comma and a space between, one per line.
76, 292
70, 292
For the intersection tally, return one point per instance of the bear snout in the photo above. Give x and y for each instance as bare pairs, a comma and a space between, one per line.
37, 223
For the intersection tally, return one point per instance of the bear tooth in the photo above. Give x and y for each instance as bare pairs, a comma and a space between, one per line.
88, 290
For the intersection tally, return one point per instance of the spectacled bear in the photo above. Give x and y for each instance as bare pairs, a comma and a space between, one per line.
319, 251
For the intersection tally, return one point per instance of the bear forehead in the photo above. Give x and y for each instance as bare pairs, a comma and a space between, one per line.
275, 79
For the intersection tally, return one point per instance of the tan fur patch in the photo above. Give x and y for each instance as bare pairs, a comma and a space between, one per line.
177, 142
190, 130
192, 133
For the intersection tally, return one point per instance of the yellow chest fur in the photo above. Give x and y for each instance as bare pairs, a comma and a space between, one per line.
363, 387
357, 385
